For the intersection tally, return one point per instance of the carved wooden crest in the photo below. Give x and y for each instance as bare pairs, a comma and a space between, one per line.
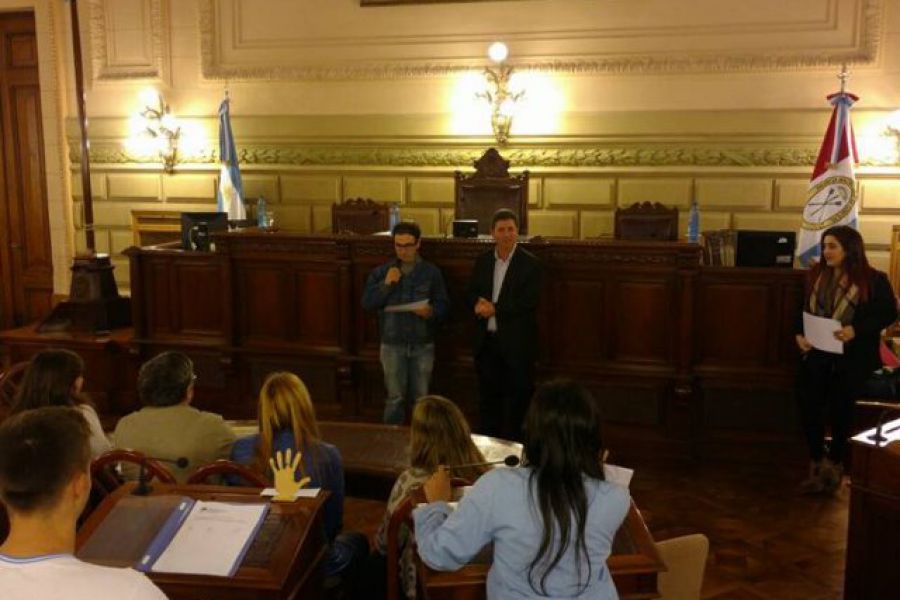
491, 164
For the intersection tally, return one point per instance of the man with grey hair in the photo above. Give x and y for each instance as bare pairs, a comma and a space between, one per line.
168, 427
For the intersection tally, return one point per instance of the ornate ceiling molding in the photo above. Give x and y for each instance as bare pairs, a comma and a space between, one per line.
864, 49
155, 31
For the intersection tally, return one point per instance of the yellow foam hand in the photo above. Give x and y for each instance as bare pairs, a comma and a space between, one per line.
283, 467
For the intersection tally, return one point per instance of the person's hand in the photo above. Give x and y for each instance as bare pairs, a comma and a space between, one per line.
393, 276
845, 334
284, 468
425, 312
438, 486
803, 344
484, 309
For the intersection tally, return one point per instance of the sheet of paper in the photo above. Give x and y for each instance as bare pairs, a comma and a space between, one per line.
212, 539
617, 474
301, 493
408, 307
819, 331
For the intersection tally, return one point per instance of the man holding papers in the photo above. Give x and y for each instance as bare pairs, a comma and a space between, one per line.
45, 457
410, 297
847, 305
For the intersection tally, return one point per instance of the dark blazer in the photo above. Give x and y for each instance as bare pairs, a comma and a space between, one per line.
516, 306
861, 354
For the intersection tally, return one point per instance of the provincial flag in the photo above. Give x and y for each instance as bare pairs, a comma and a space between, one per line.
832, 196
231, 190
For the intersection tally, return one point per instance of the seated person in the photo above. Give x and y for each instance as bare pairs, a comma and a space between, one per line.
552, 522
54, 378
287, 420
45, 457
168, 427
439, 435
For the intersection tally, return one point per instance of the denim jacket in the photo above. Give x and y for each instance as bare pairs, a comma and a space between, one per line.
423, 282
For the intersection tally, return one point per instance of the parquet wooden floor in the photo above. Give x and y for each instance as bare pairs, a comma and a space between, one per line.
766, 541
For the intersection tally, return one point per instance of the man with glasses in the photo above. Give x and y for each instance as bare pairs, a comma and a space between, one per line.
410, 297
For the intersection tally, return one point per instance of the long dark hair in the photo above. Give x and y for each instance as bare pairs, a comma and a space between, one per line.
562, 446
49, 379
856, 265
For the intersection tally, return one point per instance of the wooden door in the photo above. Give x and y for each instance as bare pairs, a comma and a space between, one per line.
26, 265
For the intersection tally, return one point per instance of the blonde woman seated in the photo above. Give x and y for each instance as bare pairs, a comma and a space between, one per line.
287, 419
439, 435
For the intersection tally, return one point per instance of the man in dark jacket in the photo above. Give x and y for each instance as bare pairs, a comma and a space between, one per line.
504, 291
410, 297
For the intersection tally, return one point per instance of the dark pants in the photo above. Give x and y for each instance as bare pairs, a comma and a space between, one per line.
827, 391
505, 387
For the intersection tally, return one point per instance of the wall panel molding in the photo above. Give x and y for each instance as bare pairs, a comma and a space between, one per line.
141, 24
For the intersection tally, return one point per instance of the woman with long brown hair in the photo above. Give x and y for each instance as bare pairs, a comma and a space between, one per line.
841, 286
439, 435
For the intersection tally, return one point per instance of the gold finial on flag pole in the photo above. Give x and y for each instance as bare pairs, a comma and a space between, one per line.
844, 75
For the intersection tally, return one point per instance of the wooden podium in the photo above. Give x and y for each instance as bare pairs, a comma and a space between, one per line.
873, 532
285, 560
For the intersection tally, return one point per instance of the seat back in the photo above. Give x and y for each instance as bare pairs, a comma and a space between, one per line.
685, 559
106, 479
231, 470
646, 221
490, 188
10, 380
361, 216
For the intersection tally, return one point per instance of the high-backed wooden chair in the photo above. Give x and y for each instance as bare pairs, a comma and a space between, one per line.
105, 479
231, 471
646, 221
362, 216
685, 559
479, 195
10, 380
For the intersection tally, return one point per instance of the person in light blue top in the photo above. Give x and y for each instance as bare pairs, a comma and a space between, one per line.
552, 522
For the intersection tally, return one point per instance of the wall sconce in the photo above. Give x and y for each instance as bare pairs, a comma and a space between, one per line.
160, 126
498, 94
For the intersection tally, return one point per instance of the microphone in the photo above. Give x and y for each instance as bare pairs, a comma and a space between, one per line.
143, 487
510, 461
888, 408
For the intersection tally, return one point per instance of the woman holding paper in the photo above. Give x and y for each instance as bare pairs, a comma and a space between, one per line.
552, 522
843, 287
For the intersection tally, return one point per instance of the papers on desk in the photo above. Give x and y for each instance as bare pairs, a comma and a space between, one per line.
408, 307
301, 493
819, 332
204, 538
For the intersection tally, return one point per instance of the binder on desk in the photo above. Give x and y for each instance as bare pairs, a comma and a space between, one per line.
176, 534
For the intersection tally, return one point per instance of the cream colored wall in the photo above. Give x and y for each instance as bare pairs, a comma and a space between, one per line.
641, 100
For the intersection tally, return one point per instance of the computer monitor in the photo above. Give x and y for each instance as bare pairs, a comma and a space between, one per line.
197, 227
765, 249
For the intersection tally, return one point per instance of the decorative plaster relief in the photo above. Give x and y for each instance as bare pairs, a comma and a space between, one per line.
144, 25
240, 43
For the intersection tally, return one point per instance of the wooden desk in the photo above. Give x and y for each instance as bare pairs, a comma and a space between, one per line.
634, 565
285, 560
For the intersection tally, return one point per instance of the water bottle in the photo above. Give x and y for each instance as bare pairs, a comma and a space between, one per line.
262, 220
693, 231
394, 217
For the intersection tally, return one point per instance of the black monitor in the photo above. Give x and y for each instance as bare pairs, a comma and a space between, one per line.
765, 249
197, 227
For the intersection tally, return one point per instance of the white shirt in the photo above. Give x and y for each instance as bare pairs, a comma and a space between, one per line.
64, 577
500, 268
99, 441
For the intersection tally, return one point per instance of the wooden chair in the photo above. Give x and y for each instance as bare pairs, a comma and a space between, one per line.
229, 469
685, 559
105, 478
490, 188
401, 516
361, 216
646, 221
10, 380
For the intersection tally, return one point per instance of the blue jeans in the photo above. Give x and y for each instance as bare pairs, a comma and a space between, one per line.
407, 372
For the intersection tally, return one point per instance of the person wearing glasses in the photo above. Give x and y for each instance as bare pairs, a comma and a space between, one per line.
410, 296
168, 428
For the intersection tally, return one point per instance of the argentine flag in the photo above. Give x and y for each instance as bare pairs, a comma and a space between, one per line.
231, 191
832, 196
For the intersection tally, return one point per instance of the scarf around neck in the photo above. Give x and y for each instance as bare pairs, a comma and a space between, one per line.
834, 297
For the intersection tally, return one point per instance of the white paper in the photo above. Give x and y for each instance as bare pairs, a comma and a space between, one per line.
819, 332
211, 539
617, 474
408, 307
301, 493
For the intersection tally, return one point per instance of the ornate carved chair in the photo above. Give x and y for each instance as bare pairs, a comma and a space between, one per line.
646, 221
490, 188
362, 216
